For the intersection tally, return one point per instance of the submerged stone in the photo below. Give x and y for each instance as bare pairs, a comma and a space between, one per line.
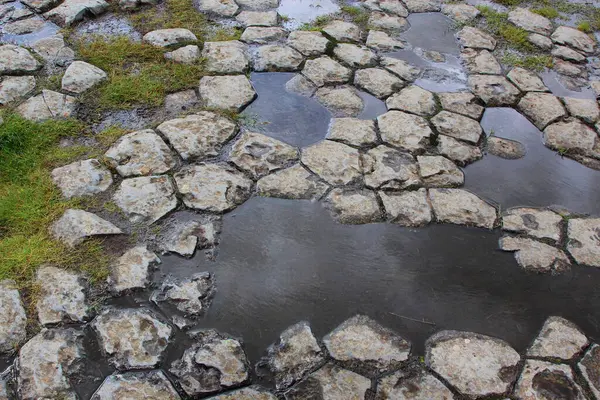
132, 269
504, 148
536, 256
558, 338
76, 225
62, 296
353, 206
458, 206
136, 386
291, 183
13, 320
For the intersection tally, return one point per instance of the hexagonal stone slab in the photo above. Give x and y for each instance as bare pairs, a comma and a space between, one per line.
494, 90
476, 39
542, 380
590, 368
132, 269
461, 103
457, 126
212, 187
277, 58
476, 365
458, 206
571, 135
226, 92
76, 225
417, 385
192, 296
387, 168
336, 163
222, 8
567, 53
16, 60
414, 100
573, 38
459, 152
355, 56
259, 155
438, 171
82, 178
47, 105
258, 4
13, 88
132, 338
352, 131
410, 208
558, 338
324, 70
341, 101
13, 320
526, 80
585, 109
81, 76
198, 135
342, 31
407, 131
308, 43
331, 382
542, 108
351, 206
460, 12
379, 82
142, 385
62, 296
539, 223
291, 183
536, 256
147, 198
480, 62
228, 57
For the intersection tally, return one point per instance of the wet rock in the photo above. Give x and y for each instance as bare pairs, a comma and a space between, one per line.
222, 8
178, 102
462, 13
536, 256
40, 5
589, 367
430, 55
352, 131
4, 389
212, 364
353, 206
494, 90
82, 178
393, 7
198, 135
573, 38
418, 385
324, 70
379, 40
249, 393
54, 51
24, 26
47, 362
228, 57
294, 355
262, 35
335, 162
132, 338
414, 100
419, 6
438, 171
136, 386
583, 240
476, 39
212, 187
401, 68
182, 233
457, 151
571, 136
458, 206
505, 148
308, 43
558, 338
544, 380
47, 105
259, 155
76, 225
258, 4
343, 31
532, 22
291, 183
62, 296
385, 22
342, 101
476, 365
300, 85
407, 208
277, 58
386, 168
14, 88
541, 41
331, 382
457, 126
71, 11
539, 223
13, 320
191, 296
566, 53
169, 37
526, 81
542, 108
379, 82
481, 62
407, 131
184, 55
146, 199
355, 56
81, 76
568, 68
257, 18
585, 109
132, 269
140, 153
226, 92
461, 103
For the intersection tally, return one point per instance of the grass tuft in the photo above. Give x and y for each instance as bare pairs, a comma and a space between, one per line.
498, 25
585, 26
547, 11
531, 62
358, 15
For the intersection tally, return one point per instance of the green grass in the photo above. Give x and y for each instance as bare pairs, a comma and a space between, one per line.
547, 11
531, 62
498, 25
176, 14
317, 24
359, 15
585, 26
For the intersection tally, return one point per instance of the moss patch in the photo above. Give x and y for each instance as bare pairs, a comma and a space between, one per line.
547, 11
497, 23
531, 62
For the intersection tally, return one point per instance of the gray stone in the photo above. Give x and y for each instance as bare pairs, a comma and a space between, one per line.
401, 68
355, 56
212, 187
191, 296
419, 6
536, 256
277, 58
324, 70
258, 4
146, 199
494, 90
414, 100
13, 88
379, 82
419, 385
541, 41
308, 43
140, 153
62, 296
457, 126
136, 386
228, 57
585, 109
13, 320
542, 108
132, 269
476, 365
476, 39
259, 155
82, 178
539, 223
458, 206
39, 5
353, 206
407, 208
583, 241
526, 81
542, 380
574, 38
407, 131
567, 53
47, 362
387, 168
558, 339
47, 105
132, 338
262, 35
76, 225
189, 54
438, 171
226, 92
461, 103
182, 232
393, 7
81, 76
504, 148
341, 101
335, 162
248, 393
71, 11
213, 363
300, 85
222, 8
331, 382
571, 136
291, 183
352, 131
343, 31
459, 152
178, 102
568, 68
54, 51
257, 18
532, 22
385, 22
590, 368
462, 13
24, 26
481, 62
198, 135
381, 41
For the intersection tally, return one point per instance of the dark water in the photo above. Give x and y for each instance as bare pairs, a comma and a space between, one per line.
552, 80
432, 31
541, 178
47, 30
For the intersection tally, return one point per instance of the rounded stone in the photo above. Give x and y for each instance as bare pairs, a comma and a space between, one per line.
584, 109
590, 368
169, 37
460, 12
81, 76
184, 55
558, 338
400, 68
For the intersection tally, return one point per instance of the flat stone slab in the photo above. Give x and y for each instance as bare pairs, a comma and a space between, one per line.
387, 168
459, 152
480, 62
542, 108
146, 199
475, 365
386, 22
331, 382
536, 256
540, 41
419, 385
558, 338
406, 131
71, 11
573, 38
505, 148
228, 57
142, 385
48, 105
571, 135
438, 171
222, 8
458, 206
82, 178
401, 68
54, 50
191, 296
275, 57
189, 54
262, 35
494, 90
308, 43
226, 92
62, 296
341, 101
393, 7
13, 88
299, 84
324, 70
381, 41
567, 53
248, 393
352, 131
183, 232
539, 223
16, 60
541, 379
76, 225
526, 81
355, 56
413, 99
460, 12
131, 338
335, 162
532, 22
259, 155
169, 37
353, 206
292, 183
343, 31
461, 103
420, 6
584, 109
476, 39
377, 81
590, 368
583, 243
132, 269
13, 320
257, 18
457, 126
81, 76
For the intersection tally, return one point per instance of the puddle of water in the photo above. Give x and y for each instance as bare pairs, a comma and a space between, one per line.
552, 80
372, 106
541, 178
47, 30
432, 31
107, 26
304, 11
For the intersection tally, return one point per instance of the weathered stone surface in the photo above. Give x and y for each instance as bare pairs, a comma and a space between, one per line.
132, 338
352, 131
300, 85
76, 225
504, 148
212, 364
573, 38
262, 35
526, 80
47, 362
342, 101
355, 56
386, 22
558, 338
387, 168
583, 240
542, 108
24, 26
459, 152
353, 206
82, 178
571, 135
457, 126
140, 153
308, 43
132, 269
223, 8
461, 103
414, 100
476, 365
543, 380
136, 4
198, 135
438, 171
179, 102
419, 6
460, 12
342, 31
47, 105
182, 232
457, 206
71, 11
324, 70
532, 22
481, 62
331, 382
40, 5
248, 393
136, 386
568, 68
379, 82
590, 368
257, 18
476, 39
191, 296
291, 183
401, 68
541, 41
14, 88
13, 320
539, 223
335, 162
212, 187
536, 256
494, 90
62, 296
54, 50
226, 92
567, 53
407, 208
228, 57
185, 55
382, 41
277, 58
81, 76
393, 7
418, 385
585, 109
407, 131
259, 155
258, 4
